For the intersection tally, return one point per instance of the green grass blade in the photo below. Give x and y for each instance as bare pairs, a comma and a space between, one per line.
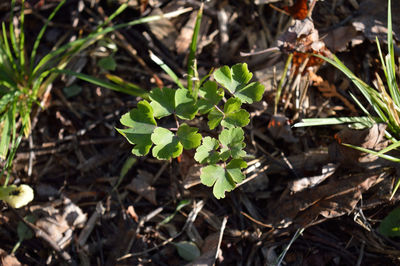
384, 156
395, 189
6, 133
390, 147
142, 93
308, 122
381, 57
41, 33
192, 66
12, 31
166, 69
119, 10
280, 85
129, 86
22, 39
6, 49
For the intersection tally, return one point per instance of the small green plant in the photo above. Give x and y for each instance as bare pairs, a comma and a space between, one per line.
224, 155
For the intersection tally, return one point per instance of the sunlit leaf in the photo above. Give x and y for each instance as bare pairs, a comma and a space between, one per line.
207, 151
210, 95
188, 137
167, 145
236, 80
141, 125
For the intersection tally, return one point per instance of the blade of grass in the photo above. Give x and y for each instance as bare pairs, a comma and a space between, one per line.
391, 65
384, 156
129, 86
390, 147
307, 122
6, 134
166, 69
7, 48
12, 31
21, 39
280, 85
103, 83
41, 33
192, 66
396, 187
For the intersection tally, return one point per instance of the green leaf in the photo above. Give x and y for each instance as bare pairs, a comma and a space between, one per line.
162, 101
141, 125
187, 250
232, 143
185, 105
235, 80
215, 175
214, 118
210, 95
234, 115
107, 63
167, 145
72, 91
188, 137
23, 231
234, 169
390, 225
206, 153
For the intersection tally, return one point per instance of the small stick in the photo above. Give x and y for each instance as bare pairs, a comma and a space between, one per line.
221, 235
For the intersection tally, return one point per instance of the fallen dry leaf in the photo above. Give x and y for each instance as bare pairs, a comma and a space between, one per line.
338, 39
337, 197
329, 90
369, 138
184, 39
59, 219
141, 185
8, 260
373, 19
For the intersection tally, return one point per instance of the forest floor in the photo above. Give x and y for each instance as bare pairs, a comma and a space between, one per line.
301, 179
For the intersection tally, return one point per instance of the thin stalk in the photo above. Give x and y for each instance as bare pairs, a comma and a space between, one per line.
280, 85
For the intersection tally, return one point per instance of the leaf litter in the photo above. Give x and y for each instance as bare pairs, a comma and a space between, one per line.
302, 178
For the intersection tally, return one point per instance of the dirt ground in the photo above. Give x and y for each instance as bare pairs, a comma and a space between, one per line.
88, 211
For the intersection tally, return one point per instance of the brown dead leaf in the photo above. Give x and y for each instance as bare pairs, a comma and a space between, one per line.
163, 29
58, 219
208, 251
336, 198
141, 185
338, 39
8, 260
370, 138
184, 39
373, 19
329, 90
